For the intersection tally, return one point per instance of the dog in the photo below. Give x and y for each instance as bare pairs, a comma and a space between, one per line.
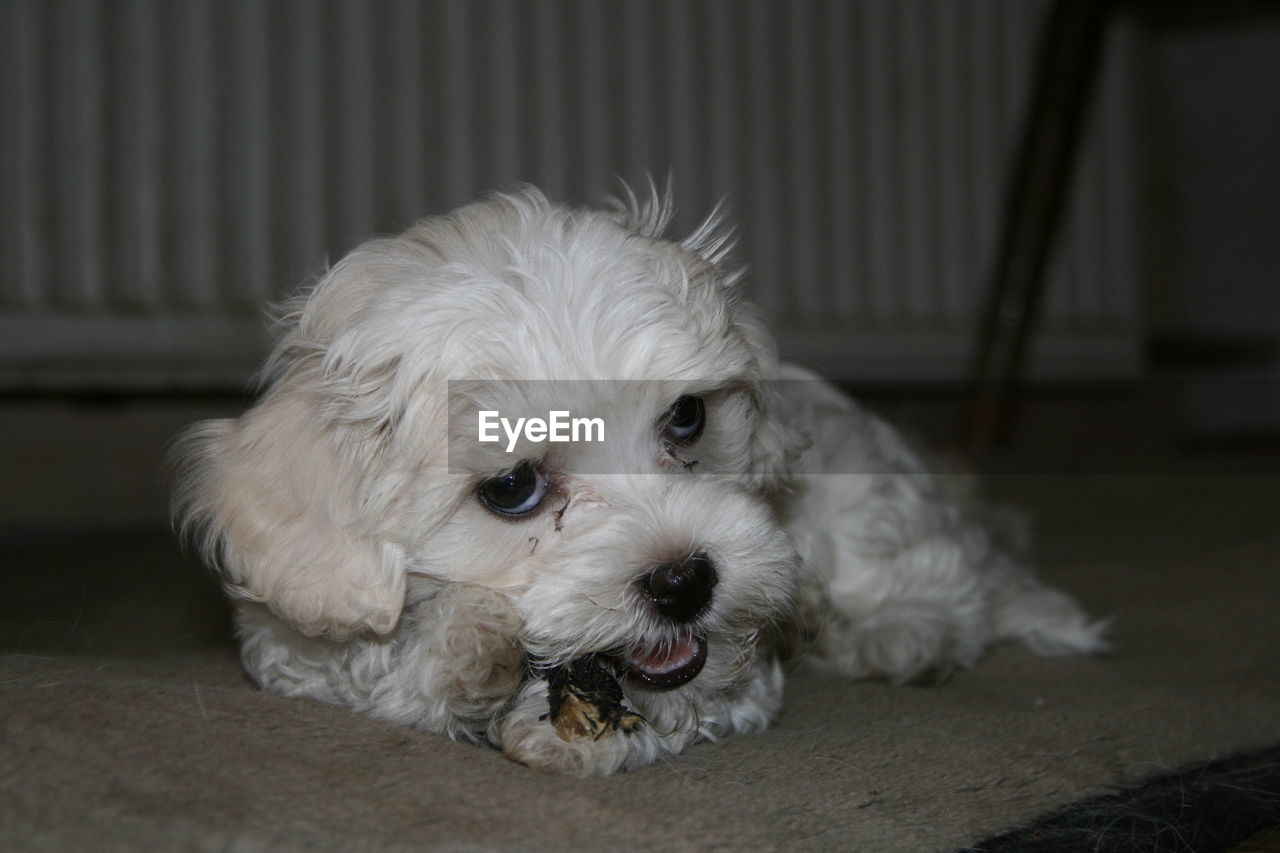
584, 607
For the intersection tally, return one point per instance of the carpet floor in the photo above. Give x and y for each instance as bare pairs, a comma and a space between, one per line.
126, 723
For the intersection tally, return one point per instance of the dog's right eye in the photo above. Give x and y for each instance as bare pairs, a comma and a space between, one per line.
684, 420
517, 492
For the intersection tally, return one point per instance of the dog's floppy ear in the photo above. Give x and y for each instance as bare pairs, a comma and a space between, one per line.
292, 502
273, 501
286, 502
776, 443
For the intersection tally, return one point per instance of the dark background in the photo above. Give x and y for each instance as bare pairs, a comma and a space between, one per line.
96, 375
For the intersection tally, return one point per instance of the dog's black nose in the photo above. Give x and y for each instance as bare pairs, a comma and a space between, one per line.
681, 590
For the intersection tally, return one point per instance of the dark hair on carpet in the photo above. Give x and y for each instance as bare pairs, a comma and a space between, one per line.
1204, 808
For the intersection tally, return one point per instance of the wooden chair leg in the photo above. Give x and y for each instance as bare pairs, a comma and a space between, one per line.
1066, 66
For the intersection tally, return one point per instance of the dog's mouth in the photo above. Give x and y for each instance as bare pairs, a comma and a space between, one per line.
669, 664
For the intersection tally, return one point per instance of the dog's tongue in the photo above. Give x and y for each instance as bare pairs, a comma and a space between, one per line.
670, 664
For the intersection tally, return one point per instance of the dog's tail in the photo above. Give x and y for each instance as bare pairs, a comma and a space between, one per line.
1049, 622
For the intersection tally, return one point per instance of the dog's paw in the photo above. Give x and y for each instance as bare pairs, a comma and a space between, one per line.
537, 744
473, 633
527, 735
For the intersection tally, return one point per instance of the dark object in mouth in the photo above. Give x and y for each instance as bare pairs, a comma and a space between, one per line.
586, 701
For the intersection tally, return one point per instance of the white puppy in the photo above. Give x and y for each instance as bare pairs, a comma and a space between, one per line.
385, 559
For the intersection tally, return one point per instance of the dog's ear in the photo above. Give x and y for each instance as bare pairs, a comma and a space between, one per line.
273, 500
284, 501
774, 447
775, 442
292, 502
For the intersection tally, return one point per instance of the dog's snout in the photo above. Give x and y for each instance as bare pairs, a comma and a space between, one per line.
681, 590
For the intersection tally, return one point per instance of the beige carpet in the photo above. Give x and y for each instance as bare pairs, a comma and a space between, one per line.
125, 723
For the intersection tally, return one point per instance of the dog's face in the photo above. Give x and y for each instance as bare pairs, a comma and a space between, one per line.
358, 484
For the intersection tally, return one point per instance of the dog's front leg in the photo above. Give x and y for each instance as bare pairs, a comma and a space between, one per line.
525, 733
527, 730
466, 660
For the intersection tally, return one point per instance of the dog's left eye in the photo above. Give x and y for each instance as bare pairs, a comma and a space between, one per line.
517, 492
684, 420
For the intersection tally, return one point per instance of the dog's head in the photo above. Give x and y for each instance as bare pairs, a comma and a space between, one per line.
358, 480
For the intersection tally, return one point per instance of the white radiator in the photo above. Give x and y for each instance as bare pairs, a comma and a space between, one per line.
169, 166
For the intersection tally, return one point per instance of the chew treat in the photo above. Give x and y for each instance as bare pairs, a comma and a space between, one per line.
586, 701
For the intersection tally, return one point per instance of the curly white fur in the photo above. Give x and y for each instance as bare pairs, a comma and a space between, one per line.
367, 574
